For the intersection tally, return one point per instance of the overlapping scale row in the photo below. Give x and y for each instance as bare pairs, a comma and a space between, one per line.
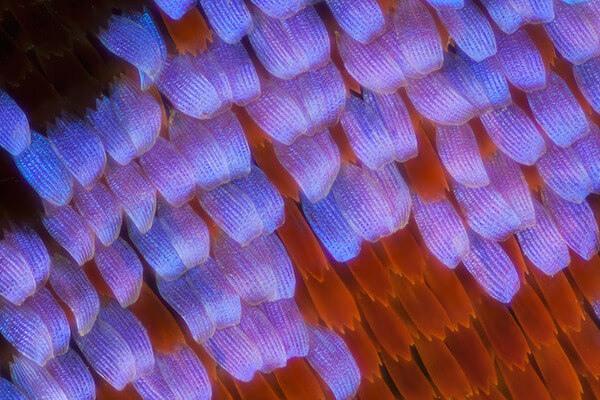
285, 317
383, 75
73, 376
366, 210
30, 318
289, 47
63, 377
34, 380
133, 332
367, 134
263, 195
362, 204
416, 38
213, 300
177, 241
127, 121
395, 117
144, 19
261, 271
379, 129
410, 46
166, 168
320, 94
203, 85
100, 210
184, 374
508, 179
218, 297
204, 299
216, 156
176, 375
501, 208
493, 82
187, 233
135, 194
26, 331
278, 114
117, 347
487, 212
304, 105
187, 88
38, 328
229, 134
138, 113
266, 338
244, 208
313, 162
332, 229
185, 300
47, 308
234, 352
437, 98
233, 62
108, 354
